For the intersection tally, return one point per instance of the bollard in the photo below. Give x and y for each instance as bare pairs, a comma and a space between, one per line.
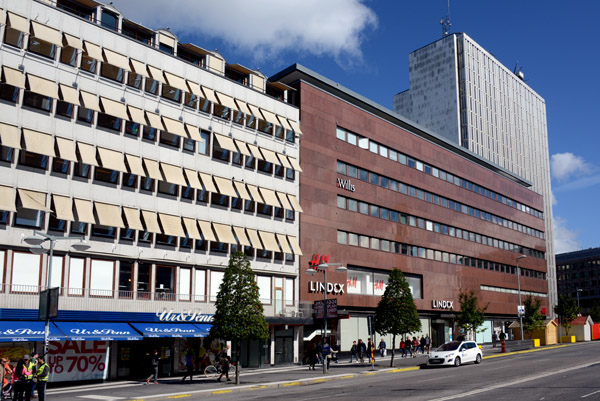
503, 344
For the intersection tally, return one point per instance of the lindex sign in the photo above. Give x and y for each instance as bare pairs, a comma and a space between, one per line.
331, 308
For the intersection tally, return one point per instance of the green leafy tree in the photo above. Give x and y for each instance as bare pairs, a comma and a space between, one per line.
567, 309
396, 312
532, 319
239, 314
470, 316
595, 312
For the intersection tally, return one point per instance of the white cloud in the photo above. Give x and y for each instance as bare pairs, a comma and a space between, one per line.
565, 240
567, 165
264, 27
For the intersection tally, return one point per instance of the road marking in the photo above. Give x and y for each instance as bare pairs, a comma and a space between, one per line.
347, 377
320, 380
180, 396
587, 395
101, 397
515, 382
369, 373
220, 392
291, 384
257, 387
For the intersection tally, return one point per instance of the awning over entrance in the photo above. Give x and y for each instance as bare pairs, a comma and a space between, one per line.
171, 329
98, 331
18, 331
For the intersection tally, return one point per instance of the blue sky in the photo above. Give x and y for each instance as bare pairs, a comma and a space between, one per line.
364, 45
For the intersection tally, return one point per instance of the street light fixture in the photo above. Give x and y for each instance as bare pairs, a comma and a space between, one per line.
312, 271
519, 284
578, 307
36, 241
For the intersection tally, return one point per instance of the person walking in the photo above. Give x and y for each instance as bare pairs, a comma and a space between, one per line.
320, 352
34, 361
18, 380
402, 348
415, 347
155, 363
427, 343
335, 349
422, 344
42, 374
28, 372
5, 373
311, 354
362, 348
326, 350
189, 365
224, 362
494, 339
382, 348
354, 351
408, 346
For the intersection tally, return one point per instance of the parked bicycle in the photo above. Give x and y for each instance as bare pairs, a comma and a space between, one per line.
211, 371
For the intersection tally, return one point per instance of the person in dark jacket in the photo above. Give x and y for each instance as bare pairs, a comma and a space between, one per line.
354, 352
189, 365
155, 364
311, 354
362, 349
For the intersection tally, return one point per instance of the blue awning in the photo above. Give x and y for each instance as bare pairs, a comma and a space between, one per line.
17, 331
169, 330
98, 331
204, 328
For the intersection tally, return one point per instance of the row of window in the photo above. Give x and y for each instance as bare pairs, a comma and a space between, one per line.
374, 147
364, 281
403, 218
513, 291
364, 241
389, 183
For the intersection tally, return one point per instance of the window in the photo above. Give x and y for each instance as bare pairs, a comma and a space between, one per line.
41, 47
340, 133
6, 154
132, 128
151, 86
33, 160
190, 100
68, 56
60, 166
79, 228
112, 72
172, 140
25, 272
103, 231
134, 80
264, 289
216, 278
88, 63
37, 101
110, 122
106, 175
29, 218
204, 144
109, 20
81, 170
265, 126
205, 105
265, 167
165, 48
219, 152
102, 278
127, 235
150, 133
171, 93
168, 188
13, 37
9, 93
64, 109
85, 115
221, 111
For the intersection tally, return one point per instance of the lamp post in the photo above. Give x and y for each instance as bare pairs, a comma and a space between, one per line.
519, 284
37, 240
578, 307
323, 267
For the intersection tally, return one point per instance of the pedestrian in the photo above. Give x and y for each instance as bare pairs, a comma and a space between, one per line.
42, 374
382, 348
155, 364
362, 348
224, 362
494, 339
311, 354
335, 349
28, 372
5, 373
34, 361
320, 352
189, 365
415, 347
353, 351
422, 344
402, 348
326, 350
18, 380
408, 346
428, 343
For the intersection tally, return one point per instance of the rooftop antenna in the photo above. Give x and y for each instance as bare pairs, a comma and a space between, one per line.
517, 71
445, 23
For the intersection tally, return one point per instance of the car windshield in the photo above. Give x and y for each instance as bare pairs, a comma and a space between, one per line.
451, 346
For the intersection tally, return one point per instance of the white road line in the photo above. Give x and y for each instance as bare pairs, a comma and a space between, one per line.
515, 382
587, 395
101, 397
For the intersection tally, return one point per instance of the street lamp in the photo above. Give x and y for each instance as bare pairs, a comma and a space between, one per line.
323, 267
578, 307
519, 284
36, 241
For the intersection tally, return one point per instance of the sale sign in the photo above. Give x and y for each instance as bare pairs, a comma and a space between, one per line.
78, 360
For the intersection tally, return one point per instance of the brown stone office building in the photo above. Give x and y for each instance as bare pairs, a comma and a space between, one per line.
380, 192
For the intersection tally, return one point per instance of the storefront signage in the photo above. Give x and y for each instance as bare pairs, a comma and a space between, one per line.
191, 315
78, 360
442, 304
335, 288
345, 184
331, 309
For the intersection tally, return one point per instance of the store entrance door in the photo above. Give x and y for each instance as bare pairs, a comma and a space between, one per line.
438, 334
284, 346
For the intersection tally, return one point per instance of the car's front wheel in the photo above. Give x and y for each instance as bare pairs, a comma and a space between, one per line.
457, 362
478, 359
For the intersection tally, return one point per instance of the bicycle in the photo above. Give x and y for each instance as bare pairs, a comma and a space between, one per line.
211, 371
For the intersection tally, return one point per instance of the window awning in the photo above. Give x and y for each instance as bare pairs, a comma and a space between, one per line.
255, 151
193, 132
207, 231
284, 161
226, 101
63, 207
176, 81
133, 218
66, 149
192, 228
116, 59
90, 101
92, 50
226, 143
173, 174
84, 210
285, 248
243, 107
241, 236
171, 225
154, 120
284, 201
46, 33
156, 74
109, 215
72, 41
21, 331
38, 142
153, 169
295, 127
294, 163
295, 203
195, 88
294, 244
98, 331
87, 153
284, 123
115, 109
269, 240
269, 197
253, 110
225, 187
33, 200
13, 77
15, 21
241, 188
209, 94
42, 86
151, 222
69, 94
10, 136
243, 148
254, 239
270, 156
192, 177
255, 194
137, 115
269, 117
138, 67
174, 126
224, 233
8, 199
135, 165
208, 183
173, 330
112, 160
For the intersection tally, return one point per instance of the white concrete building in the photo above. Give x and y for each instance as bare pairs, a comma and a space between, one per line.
165, 158
463, 93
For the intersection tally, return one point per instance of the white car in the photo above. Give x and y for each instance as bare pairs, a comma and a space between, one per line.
455, 353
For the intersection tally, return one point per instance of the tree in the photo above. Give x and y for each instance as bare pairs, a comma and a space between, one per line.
595, 312
532, 319
396, 312
567, 309
239, 314
470, 316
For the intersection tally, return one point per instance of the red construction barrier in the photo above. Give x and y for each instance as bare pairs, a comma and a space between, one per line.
596, 331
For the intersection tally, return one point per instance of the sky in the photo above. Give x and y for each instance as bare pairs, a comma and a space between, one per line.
364, 46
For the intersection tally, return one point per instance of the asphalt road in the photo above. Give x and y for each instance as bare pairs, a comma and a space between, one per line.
569, 373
